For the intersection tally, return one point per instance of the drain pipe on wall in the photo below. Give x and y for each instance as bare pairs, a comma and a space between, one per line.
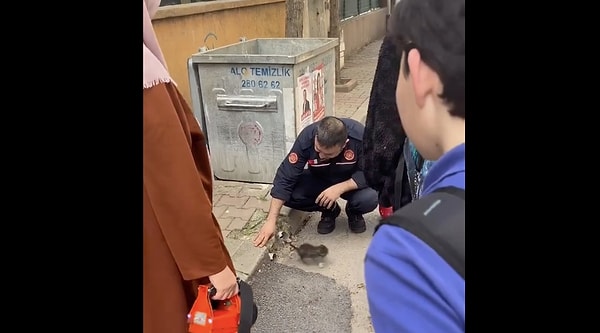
390, 8
389, 12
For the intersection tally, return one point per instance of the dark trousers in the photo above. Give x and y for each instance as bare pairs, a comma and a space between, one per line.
309, 187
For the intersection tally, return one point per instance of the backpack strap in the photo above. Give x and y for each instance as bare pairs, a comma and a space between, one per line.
438, 219
455, 191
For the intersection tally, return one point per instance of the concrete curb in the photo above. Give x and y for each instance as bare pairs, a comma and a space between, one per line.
246, 257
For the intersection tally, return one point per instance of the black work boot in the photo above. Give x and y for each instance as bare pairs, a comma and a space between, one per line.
356, 222
327, 223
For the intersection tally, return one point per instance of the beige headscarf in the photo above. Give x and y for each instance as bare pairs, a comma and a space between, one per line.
155, 67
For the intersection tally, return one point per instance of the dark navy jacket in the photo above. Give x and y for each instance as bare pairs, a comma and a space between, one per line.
332, 171
410, 288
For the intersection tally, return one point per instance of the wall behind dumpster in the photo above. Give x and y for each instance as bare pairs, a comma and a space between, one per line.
182, 29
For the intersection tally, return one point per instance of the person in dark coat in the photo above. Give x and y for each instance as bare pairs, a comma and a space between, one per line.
392, 165
384, 137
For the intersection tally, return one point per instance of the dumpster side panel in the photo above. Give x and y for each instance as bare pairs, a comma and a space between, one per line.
254, 98
243, 108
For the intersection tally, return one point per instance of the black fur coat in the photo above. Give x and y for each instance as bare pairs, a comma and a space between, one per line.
383, 137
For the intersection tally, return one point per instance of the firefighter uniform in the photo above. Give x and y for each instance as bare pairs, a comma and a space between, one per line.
302, 176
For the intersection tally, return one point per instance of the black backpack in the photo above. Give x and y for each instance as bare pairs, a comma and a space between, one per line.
438, 219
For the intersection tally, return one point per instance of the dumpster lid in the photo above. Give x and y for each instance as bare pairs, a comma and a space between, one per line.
267, 50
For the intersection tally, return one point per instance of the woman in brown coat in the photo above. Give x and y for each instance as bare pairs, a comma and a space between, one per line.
183, 244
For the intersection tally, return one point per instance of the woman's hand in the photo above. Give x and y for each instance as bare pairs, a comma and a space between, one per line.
225, 282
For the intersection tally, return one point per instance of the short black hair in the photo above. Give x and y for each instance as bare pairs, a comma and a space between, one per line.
437, 29
331, 131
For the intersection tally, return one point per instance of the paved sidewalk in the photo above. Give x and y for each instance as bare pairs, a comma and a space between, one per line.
360, 67
241, 208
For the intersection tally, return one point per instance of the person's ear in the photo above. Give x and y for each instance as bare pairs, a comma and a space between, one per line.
422, 77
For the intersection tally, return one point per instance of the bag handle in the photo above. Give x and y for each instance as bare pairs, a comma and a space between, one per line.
248, 309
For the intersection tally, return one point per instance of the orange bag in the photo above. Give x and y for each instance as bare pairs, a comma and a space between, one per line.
234, 315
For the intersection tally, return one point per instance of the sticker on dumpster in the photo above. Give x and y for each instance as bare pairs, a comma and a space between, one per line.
304, 103
310, 96
318, 93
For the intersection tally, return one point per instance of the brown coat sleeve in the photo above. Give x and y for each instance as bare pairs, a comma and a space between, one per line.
178, 181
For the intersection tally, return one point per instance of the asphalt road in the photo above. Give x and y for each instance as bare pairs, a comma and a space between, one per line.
297, 298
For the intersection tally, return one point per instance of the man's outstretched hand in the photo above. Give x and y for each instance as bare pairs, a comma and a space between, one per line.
265, 233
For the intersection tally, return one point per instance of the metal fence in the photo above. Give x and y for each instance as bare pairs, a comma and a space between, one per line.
349, 8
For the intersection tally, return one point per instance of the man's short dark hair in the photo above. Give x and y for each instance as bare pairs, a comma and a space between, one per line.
437, 29
331, 132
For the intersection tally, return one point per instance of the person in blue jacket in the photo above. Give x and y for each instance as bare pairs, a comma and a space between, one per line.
410, 288
323, 166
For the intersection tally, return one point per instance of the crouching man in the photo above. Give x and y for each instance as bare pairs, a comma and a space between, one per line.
323, 166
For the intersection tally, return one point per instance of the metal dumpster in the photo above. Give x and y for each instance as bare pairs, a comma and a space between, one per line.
254, 97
